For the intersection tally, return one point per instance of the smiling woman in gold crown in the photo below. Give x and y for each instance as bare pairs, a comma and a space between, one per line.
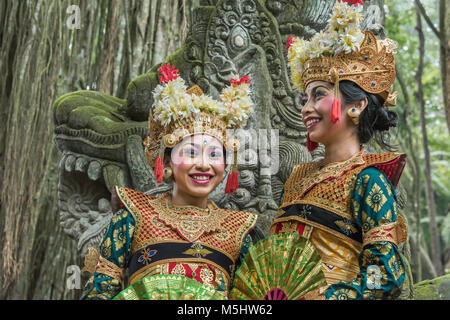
345, 204
180, 245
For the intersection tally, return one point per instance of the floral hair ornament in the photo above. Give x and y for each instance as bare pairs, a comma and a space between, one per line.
344, 52
178, 112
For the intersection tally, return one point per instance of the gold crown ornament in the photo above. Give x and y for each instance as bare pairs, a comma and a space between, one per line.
344, 52
178, 112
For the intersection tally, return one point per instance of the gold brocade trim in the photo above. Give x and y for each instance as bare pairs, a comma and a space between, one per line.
347, 266
319, 226
108, 268
307, 175
372, 67
156, 269
288, 227
344, 214
316, 294
307, 231
124, 197
141, 272
151, 229
183, 241
342, 268
291, 226
330, 188
336, 276
339, 256
90, 260
394, 232
192, 222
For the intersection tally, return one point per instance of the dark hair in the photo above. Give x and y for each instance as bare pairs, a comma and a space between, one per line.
375, 120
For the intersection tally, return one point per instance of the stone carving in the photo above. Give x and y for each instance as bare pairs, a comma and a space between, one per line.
101, 136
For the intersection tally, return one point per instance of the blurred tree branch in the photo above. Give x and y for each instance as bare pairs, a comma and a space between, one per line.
428, 20
431, 205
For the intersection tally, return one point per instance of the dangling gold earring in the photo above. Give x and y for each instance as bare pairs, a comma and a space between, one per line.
354, 113
167, 173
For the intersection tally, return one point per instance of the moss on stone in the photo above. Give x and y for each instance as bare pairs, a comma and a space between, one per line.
65, 104
435, 289
139, 96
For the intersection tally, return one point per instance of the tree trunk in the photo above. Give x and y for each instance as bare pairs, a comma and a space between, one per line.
106, 81
419, 253
431, 206
30, 63
414, 197
444, 26
44, 55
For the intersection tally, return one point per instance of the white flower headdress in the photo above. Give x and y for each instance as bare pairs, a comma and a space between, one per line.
344, 52
179, 112
173, 103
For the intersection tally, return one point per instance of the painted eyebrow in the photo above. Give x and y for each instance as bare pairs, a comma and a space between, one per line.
192, 144
199, 146
313, 90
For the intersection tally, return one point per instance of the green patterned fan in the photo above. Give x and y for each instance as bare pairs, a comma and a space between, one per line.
280, 267
169, 287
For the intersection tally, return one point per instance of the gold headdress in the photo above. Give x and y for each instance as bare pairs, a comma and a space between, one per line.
344, 52
179, 112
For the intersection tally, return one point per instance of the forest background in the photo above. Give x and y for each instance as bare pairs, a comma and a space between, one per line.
41, 58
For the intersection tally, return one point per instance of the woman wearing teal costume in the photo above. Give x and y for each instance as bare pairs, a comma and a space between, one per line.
346, 203
180, 245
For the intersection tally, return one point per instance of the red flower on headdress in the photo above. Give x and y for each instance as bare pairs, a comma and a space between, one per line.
357, 2
290, 41
167, 73
237, 82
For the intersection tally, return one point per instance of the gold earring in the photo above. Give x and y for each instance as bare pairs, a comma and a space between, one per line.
167, 173
354, 113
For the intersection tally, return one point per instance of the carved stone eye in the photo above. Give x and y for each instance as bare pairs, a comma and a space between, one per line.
239, 41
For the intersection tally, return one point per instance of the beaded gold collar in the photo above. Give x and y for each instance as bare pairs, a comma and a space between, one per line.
323, 171
337, 167
191, 222
318, 171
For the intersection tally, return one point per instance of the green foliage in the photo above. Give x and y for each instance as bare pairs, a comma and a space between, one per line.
401, 26
446, 229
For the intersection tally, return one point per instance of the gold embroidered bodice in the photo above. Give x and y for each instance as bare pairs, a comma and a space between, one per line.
158, 221
329, 187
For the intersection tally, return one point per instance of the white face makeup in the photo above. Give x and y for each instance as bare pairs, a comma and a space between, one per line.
198, 165
316, 113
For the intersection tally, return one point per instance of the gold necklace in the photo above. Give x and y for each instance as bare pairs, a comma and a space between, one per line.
317, 173
336, 165
191, 222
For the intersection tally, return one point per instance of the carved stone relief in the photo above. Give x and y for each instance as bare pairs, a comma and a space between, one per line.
101, 136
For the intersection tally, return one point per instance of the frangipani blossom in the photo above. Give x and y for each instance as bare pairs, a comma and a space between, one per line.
172, 102
342, 35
